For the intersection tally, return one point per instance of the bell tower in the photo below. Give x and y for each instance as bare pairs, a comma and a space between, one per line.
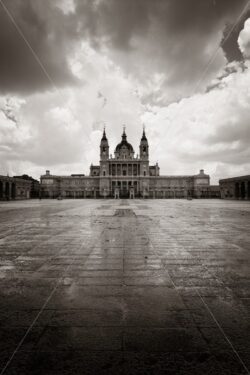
144, 148
104, 186
104, 147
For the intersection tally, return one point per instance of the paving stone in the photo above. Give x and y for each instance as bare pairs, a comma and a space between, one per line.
163, 340
125, 287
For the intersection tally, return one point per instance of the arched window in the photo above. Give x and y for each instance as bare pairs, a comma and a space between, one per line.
104, 173
144, 173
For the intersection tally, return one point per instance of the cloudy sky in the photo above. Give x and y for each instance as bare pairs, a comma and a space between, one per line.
181, 67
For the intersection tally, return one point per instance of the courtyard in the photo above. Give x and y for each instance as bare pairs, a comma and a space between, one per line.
125, 287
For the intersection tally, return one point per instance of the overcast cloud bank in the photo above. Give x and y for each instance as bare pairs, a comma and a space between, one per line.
114, 62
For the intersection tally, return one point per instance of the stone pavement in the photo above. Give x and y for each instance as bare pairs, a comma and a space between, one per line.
125, 287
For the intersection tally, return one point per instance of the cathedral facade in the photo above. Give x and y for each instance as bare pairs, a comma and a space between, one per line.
125, 175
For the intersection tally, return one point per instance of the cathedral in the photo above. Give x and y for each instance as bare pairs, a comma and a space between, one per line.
124, 175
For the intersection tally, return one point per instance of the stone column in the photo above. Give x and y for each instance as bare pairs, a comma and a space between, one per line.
9, 193
4, 190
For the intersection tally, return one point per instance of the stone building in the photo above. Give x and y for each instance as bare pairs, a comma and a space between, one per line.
35, 185
125, 175
235, 187
15, 188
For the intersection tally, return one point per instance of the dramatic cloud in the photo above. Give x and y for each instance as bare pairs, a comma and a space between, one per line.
69, 67
164, 45
207, 130
36, 39
44, 130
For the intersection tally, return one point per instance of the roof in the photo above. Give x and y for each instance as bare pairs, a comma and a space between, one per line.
104, 137
125, 143
238, 178
144, 138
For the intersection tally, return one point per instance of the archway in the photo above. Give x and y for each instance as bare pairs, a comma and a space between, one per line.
7, 190
13, 191
237, 190
116, 193
242, 190
124, 192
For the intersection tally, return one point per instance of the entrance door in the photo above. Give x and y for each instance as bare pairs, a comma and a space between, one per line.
124, 189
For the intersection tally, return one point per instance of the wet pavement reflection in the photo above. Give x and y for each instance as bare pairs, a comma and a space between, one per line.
125, 287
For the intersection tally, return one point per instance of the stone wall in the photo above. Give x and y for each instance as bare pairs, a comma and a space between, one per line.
14, 188
69, 186
79, 186
235, 188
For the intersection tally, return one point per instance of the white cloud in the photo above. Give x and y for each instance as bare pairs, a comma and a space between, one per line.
61, 130
210, 130
67, 6
244, 39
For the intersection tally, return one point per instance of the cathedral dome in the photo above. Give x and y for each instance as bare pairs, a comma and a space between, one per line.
124, 144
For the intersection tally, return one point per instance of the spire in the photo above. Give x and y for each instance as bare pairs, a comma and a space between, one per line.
124, 135
104, 138
144, 138
104, 146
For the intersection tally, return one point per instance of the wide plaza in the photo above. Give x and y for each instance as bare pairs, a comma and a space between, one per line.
125, 287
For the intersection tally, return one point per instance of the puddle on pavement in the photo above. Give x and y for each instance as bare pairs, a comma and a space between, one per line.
126, 212
124, 202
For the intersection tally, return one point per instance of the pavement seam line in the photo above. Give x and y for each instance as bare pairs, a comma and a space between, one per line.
41, 310
223, 333
31, 326
208, 309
